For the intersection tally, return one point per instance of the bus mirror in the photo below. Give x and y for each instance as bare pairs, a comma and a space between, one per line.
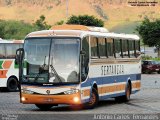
82, 52
19, 55
17, 59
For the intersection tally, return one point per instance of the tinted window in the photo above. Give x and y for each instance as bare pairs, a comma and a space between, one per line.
102, 47
131, 48
94, 48
11, 50
109, 46
85, 58
117, 44
8, 50
2, 51
125, 48
137, 47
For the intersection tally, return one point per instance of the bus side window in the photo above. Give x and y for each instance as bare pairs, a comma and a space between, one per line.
102, 47
117, 48
85, 59
137, 48
20, 45
131, 49
11, 50
94, 47
2, 51
125, 48
109, 46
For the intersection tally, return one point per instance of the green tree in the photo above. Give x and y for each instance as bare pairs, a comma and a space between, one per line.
60, 22
85, 20
2, 26
41, 23
15, 29
150, 32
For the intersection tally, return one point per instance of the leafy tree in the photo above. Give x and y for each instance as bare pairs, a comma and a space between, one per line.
15, 29
85, 20
12, 29
2, 26
60, 22
150, 32
41, 24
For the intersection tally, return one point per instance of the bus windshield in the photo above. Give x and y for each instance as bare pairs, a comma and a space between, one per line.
53, 60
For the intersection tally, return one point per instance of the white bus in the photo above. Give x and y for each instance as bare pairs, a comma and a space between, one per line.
8, 68
78, 65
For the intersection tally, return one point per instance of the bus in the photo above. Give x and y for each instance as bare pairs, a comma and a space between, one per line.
8, 68
78, 65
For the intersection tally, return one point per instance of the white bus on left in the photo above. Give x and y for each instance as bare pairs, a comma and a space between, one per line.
8, 68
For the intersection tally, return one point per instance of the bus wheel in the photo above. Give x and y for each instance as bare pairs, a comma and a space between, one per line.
44, 106
12, 84
93, 100
127, 95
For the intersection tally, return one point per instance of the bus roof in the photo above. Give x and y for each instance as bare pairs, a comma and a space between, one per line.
11, 41
80, 31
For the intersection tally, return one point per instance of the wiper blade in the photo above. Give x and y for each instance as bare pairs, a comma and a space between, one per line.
55, 72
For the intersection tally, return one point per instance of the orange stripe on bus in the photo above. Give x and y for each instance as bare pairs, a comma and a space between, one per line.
113, 88
3, 73
107, 89
7, 64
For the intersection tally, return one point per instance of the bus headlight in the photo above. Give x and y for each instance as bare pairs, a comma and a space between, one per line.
76, 99
73, 91
23, 99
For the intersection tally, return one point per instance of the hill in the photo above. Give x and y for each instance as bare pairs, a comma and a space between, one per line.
113, 12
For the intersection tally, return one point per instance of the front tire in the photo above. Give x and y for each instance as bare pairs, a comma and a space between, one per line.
12, 84
44, 106
93, 100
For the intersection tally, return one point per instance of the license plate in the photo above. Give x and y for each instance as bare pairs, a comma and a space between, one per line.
157, 69
48, 100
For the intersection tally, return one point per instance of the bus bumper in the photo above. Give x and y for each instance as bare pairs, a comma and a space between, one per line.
73, 99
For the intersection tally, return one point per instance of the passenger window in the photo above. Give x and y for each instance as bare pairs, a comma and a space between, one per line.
131, 49
2, 51
109, 46
137, 48
85, 58
20, 45
11, 50
125, 48
102, 47
117, 44
94, 47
